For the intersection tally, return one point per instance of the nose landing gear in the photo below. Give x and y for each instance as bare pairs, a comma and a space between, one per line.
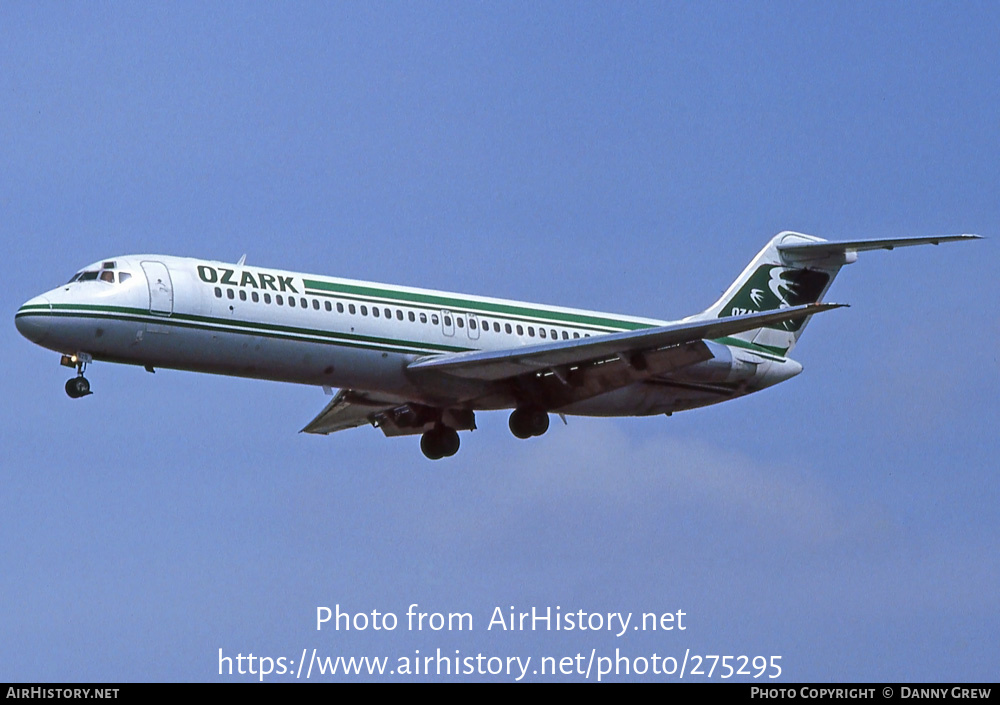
78, 386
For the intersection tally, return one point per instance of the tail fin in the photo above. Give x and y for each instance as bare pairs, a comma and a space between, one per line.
795, 269
770, 282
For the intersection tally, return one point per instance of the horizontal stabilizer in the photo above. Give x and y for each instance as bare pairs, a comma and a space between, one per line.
799, 251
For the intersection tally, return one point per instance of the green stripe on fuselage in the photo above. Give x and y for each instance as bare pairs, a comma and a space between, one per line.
233, 326
474, 306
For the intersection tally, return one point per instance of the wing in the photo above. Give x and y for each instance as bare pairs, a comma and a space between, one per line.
394, 416
349, 409
495, 365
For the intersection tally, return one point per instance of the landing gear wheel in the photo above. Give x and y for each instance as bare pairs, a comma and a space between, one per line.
429, 447
525, 422
77, 387
449, 438
440, 442
539, 423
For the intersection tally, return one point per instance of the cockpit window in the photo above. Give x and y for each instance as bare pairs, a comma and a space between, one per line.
108, 265
102, 275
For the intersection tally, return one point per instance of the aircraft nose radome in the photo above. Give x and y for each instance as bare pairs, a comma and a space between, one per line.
30, 321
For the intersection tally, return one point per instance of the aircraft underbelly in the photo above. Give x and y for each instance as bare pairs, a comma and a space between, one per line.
643, 399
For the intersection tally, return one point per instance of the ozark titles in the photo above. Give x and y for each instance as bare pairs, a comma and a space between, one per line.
230, 277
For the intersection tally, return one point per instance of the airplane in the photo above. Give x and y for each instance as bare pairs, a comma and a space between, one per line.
415, 361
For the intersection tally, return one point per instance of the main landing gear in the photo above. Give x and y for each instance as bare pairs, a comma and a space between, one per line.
526, 422
440, 442
78, 386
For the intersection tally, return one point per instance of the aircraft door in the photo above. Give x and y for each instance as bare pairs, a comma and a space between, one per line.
473, 326
161, 290
448, 323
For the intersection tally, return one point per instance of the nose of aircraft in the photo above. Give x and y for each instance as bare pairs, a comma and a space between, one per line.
32, 320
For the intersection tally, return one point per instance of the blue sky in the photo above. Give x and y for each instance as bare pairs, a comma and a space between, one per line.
627, 157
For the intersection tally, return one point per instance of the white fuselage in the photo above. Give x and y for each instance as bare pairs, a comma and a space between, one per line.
207, 316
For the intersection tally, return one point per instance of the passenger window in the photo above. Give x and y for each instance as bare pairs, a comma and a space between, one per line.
520, 329
267, 298
472, 323
279, 299
243, 295
364, 310
375, 311
399, 315
340, 307
506, 327
388, 313
565, 335
291, 301
303, 302
576, 335
423, 317
447, 320
555, 336
496, 327
460, 321
123, 277
411, 316
541, 332
351, 308
316, 304
255, 296
434, 318
328, 305
218, 293
531, 331
230, 294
